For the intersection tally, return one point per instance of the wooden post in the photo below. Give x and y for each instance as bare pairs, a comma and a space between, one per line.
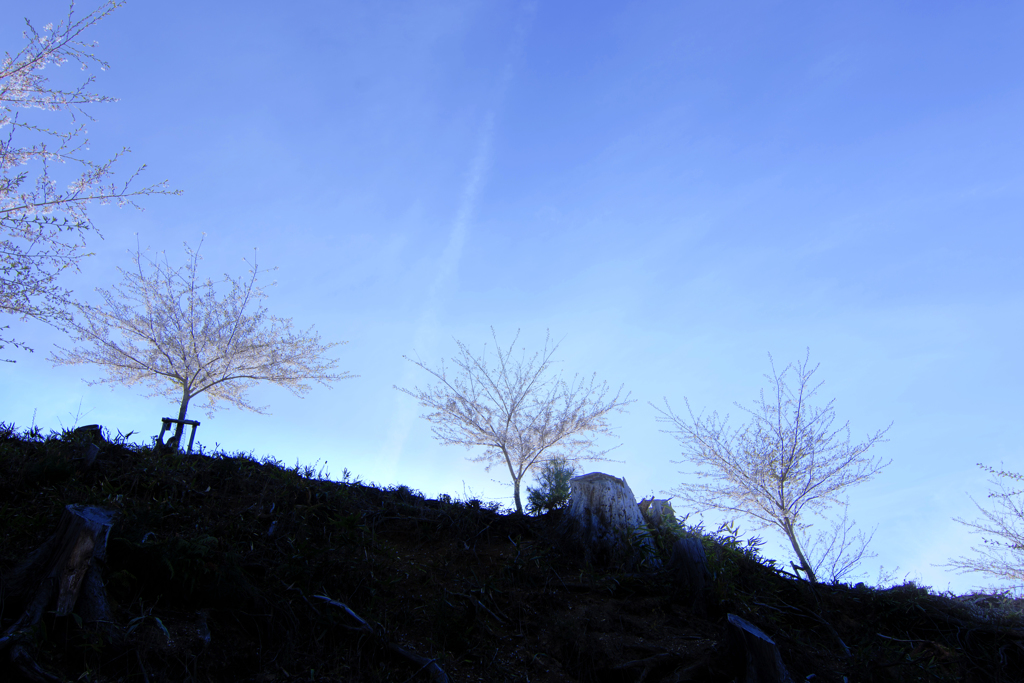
173, 441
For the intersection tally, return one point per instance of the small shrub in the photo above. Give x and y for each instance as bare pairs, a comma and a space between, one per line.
553, 492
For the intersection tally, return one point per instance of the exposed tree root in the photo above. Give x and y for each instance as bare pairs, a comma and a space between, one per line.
436, 672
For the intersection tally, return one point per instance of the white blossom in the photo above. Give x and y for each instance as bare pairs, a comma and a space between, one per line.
787, 463
1001, 552
167, 328
43, 228
519, 416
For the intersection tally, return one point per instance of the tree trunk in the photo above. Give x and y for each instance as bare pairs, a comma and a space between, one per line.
761, 661
687, 560
659, 513
689, 566
805, 565
604, 521
182, 411
516, 480
65, 570
515, 493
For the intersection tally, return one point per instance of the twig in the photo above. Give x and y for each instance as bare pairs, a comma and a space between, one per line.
755, 602
145, 676
558, 577
647, 662
436, 672
820, 620
414, 673
480, 605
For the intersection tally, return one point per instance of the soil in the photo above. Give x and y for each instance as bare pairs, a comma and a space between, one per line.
226, 568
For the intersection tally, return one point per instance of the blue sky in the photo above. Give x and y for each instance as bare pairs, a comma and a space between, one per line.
674, 190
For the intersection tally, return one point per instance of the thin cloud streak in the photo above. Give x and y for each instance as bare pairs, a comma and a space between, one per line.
426, 332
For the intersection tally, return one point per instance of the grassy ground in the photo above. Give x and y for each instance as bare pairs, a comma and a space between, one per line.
220, 568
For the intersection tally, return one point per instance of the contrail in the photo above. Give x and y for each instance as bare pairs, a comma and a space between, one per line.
448, 264
452, 254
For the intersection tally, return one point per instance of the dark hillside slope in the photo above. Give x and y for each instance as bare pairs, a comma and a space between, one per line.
223, 568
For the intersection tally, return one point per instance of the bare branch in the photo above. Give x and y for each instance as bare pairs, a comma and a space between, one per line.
44, 227
518, 415
164, 327
1001, 552
836, 552
787, 462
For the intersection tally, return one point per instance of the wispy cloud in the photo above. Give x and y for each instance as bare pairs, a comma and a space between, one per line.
448, 264
427, 325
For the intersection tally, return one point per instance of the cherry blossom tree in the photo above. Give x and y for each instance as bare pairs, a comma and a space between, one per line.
518, 415
47, 180
165, 327
1001, 552
788, 463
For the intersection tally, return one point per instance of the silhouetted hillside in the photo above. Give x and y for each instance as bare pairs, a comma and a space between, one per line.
224, 568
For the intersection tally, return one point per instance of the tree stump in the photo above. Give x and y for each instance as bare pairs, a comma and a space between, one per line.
659, 513
65, 570
762, 661
604, 520
687, 562
690, 561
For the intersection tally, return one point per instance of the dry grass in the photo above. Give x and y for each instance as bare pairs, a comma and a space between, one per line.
215, 565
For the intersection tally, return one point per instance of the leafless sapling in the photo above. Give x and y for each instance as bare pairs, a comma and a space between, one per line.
787, 462
1001, 552
166, 327
515, 410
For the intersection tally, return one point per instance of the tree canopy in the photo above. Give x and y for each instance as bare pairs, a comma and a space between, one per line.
47, 178
1001, 551
165, 327
787, 463
519, 414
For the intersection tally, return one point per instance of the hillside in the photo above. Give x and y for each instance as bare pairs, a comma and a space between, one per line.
224, 568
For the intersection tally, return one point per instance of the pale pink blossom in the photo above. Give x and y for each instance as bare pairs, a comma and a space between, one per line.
184, 336
44, 227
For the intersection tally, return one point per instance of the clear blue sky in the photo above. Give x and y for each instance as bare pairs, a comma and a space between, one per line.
674, 189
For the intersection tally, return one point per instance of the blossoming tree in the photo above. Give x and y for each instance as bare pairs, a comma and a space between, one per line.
788, 463
1001, 552
166, 327
521, 417
47, 180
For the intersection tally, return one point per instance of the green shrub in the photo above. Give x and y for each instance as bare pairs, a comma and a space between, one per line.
553, 492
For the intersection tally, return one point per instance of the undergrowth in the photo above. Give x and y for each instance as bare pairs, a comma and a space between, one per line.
222, 565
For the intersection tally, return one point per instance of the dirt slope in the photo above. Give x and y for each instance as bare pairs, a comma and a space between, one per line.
221, 568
